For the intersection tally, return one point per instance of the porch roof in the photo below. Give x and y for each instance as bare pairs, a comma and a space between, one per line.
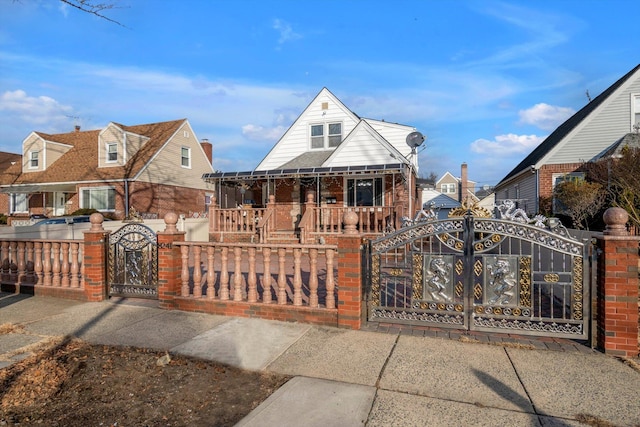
305, 172
38, 188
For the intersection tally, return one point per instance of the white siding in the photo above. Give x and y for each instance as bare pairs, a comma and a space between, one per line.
361, 148
524, 190
609, 122
396, 135
297, 139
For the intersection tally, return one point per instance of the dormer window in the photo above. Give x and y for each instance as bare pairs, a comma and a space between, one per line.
112, 152
34, 157
328, 135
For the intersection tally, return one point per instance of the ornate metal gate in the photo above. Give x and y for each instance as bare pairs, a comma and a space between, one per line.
133, 262
504, 275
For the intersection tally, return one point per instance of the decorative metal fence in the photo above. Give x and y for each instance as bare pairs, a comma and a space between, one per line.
512, 275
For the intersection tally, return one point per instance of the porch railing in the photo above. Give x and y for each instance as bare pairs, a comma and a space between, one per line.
237, 220
49, 263
371, 219
297, 275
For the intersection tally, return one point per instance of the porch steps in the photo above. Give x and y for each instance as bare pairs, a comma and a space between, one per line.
284, 236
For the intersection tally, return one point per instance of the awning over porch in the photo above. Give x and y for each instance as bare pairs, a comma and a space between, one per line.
304, 172
38, 188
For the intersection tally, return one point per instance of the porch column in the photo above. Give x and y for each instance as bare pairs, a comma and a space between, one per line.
617, 318
350, 295
96, 245
169, 261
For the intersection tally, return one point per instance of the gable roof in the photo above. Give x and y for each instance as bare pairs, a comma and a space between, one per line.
80, 163
9, 159
440, 200
565, 128
265, 162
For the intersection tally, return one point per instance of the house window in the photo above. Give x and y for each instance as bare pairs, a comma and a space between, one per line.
19, 203
99, 198
448, 188
317, 136
332, 132
635, 112
34, 157
560, 178
185, 160
364, 192
335, 134
112, 152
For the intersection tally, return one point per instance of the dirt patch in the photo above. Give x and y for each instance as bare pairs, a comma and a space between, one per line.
73, 383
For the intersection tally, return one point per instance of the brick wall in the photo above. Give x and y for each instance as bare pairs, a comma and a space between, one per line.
617, 295
546, 172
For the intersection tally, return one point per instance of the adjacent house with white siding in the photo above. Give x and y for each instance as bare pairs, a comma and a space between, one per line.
339, 160
582, 138
155, 168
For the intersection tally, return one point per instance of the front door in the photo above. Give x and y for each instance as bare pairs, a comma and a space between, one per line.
59, 203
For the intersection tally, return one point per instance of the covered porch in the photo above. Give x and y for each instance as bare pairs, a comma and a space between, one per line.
307, 205
33, 200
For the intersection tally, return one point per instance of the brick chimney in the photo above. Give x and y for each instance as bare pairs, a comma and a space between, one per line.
77, 128
208, 149
464, 183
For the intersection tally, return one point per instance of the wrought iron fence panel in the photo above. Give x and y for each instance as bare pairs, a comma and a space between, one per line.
133, 262
481, 274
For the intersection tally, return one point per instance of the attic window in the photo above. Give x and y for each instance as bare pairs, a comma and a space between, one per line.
327, 135
325, 105
34, 157
185, 155
112, 152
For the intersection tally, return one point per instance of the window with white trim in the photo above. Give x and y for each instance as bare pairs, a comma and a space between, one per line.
558, 178
99, 198
448, 188
19, 203
364, 192
185, 157
34, 159
327, 135
112, 152
635, 112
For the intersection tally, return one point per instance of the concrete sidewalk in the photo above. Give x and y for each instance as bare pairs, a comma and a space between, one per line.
351, 378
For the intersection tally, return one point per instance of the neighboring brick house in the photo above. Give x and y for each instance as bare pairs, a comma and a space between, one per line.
345, 161
154, 168
584, 137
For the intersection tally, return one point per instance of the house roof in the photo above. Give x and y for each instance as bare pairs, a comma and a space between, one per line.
630, 140
80, 163
440, 200
9, 159
563, 130
310, 159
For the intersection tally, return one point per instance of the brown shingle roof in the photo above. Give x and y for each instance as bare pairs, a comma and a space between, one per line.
80, 163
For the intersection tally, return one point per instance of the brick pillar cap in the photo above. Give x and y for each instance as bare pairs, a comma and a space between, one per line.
350, 219
96, 219
170, 220
615, 220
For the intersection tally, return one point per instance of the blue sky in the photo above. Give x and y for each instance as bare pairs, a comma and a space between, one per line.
485, 81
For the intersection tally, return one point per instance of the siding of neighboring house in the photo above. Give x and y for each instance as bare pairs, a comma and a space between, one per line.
167, 163
111, 134
33, 143
53, 151
609, 122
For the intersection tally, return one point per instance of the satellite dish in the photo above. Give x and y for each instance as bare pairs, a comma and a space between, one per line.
415, 139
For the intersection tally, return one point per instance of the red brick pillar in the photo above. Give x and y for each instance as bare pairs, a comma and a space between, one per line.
169, 261
96, 244
350, 304
618, 287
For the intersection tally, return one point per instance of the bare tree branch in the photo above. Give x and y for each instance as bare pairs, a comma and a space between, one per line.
97, 9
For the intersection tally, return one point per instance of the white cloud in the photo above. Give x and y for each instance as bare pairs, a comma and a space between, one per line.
260, 133
506, 145
35, 110
286, 31
545, 116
